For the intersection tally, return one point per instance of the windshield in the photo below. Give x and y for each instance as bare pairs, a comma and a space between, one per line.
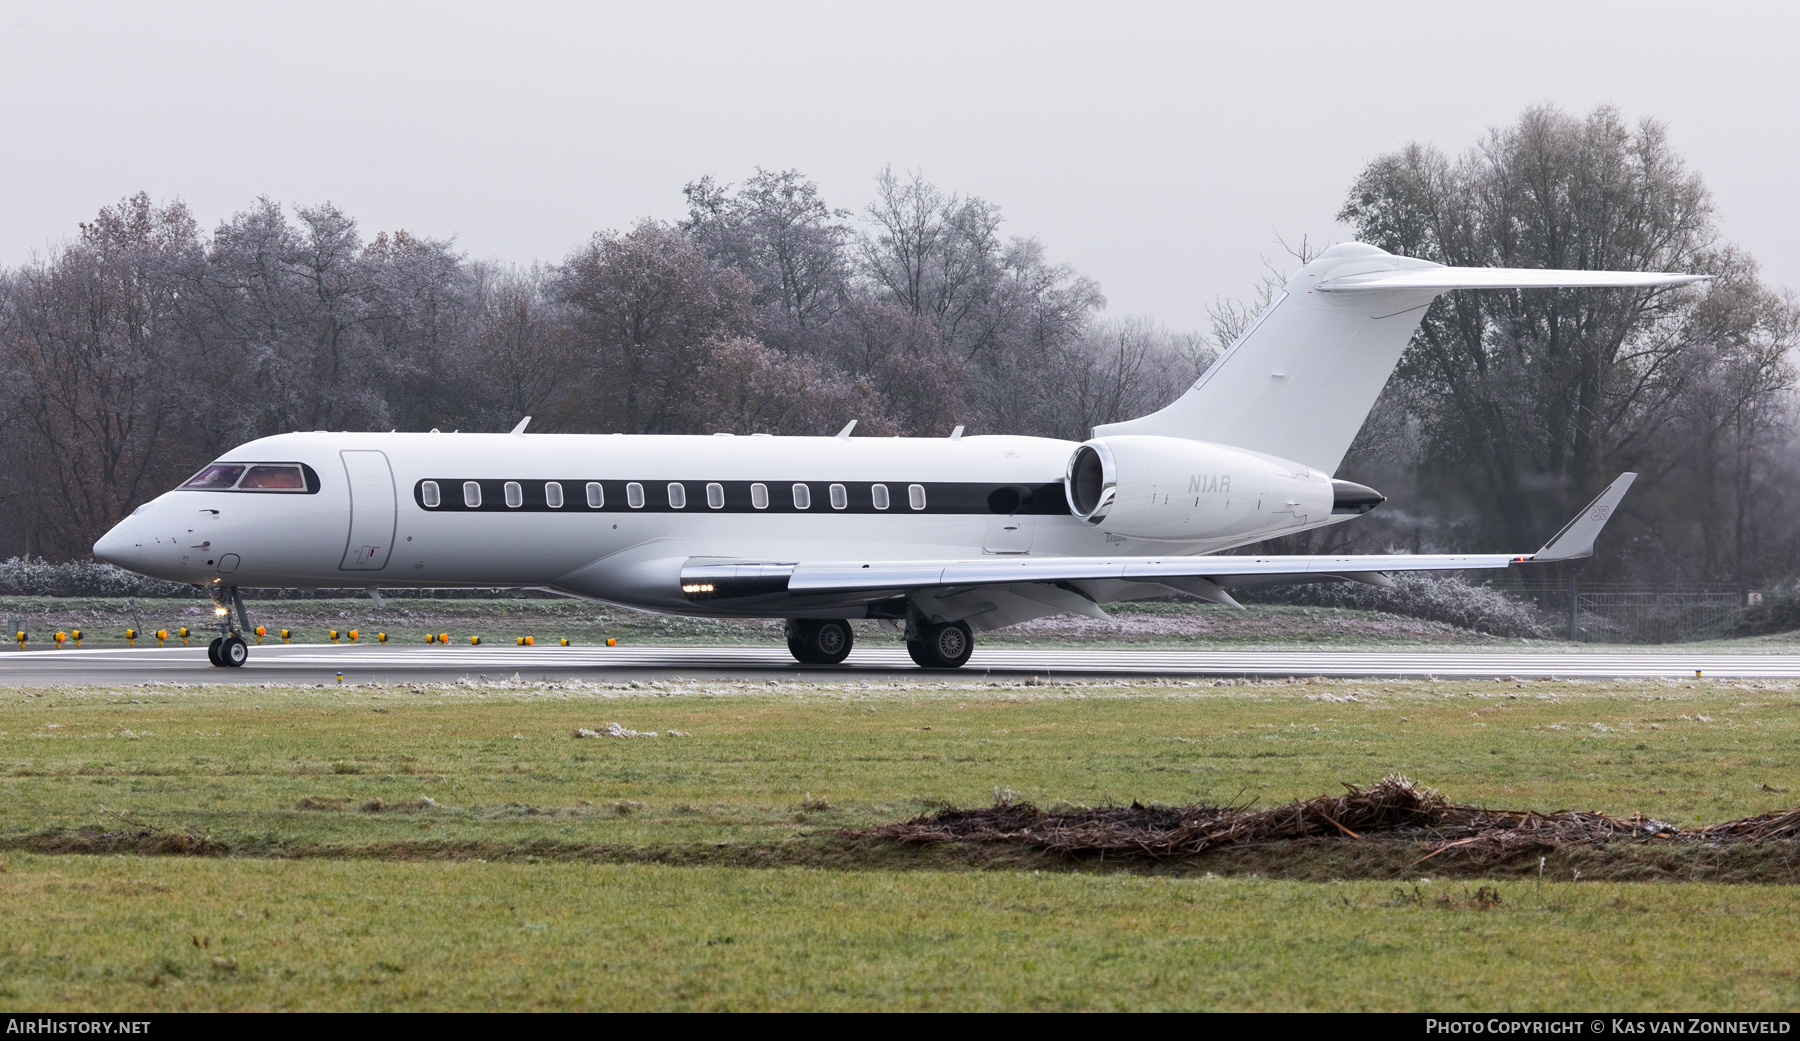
218, 475
265, 477
254, 477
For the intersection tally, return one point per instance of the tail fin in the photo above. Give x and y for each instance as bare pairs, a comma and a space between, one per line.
1302, 378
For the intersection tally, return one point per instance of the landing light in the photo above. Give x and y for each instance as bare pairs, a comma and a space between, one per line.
697, 587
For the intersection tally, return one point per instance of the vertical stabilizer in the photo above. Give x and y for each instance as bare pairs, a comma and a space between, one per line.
1302, 378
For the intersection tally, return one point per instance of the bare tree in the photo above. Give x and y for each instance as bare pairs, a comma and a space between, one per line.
643, 304
1528, 401
779, 233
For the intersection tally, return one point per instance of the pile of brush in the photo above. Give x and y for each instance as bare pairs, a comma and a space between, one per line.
1394, 809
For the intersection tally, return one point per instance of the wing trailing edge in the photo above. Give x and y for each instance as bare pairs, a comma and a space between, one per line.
1207, 577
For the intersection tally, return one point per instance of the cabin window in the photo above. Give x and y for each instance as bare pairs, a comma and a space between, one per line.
677, 495
472, 494
915, 496
715, 495
839, 497
596, 495
217, 476
553, 495
265, 477
759, 496
634, 495
515, 495
429, 493
878, 492
802, 497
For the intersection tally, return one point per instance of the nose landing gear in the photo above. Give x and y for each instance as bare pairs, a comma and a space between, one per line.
228, 649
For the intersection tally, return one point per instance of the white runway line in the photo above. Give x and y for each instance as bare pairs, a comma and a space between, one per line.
1092, 661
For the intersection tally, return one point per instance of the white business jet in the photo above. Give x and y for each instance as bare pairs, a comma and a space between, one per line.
938, 537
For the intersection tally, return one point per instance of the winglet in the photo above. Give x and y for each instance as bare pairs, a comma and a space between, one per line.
1576, 539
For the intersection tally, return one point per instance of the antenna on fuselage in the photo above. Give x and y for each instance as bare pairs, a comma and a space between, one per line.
520, 429
844, 434
956, 435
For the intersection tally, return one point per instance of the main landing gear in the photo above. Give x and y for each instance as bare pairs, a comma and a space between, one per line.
228, 649
940, 645
819, 641
827, 641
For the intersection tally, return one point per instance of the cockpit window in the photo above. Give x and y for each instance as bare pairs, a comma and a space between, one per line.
254, 477
267, 477
216, 476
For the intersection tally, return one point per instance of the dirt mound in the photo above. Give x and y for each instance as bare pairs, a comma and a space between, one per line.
1394, 809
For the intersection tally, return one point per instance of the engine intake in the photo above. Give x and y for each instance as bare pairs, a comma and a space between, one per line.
1092, 481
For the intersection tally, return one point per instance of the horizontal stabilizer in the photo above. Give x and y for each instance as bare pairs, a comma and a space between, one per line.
1576, 539
1440, 278
1298, 382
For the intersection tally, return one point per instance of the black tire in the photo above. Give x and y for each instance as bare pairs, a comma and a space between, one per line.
797, 631
920, 656
945, 646
212, 651
830, 641
814, 641
233, 653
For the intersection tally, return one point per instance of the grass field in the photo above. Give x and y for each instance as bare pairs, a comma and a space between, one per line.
550, 871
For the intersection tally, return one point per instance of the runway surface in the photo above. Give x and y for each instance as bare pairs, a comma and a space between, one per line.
314, 663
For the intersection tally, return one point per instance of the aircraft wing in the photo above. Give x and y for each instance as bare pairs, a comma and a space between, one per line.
1439, 278
1092, 579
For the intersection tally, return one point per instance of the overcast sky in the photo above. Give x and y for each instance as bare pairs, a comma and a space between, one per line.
1159, 148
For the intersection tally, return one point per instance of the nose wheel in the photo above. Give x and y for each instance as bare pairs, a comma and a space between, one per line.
228, 652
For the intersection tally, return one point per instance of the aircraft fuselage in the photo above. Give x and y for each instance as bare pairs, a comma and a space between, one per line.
613, 517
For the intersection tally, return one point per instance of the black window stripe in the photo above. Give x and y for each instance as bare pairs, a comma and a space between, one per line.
941, 497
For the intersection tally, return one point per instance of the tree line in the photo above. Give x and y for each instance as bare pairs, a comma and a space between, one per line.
143, 347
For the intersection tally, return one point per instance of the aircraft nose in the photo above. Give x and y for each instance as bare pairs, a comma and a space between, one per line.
118, 546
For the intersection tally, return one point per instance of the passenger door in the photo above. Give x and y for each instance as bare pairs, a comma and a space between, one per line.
373, 511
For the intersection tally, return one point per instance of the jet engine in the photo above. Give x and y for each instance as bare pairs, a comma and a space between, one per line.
1171, 489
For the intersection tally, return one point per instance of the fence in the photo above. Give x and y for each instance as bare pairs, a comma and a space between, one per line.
1609, 613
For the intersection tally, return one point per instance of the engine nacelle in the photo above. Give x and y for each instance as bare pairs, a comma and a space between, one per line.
1174, 490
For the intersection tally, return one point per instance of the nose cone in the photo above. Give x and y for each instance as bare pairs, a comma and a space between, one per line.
118, 546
